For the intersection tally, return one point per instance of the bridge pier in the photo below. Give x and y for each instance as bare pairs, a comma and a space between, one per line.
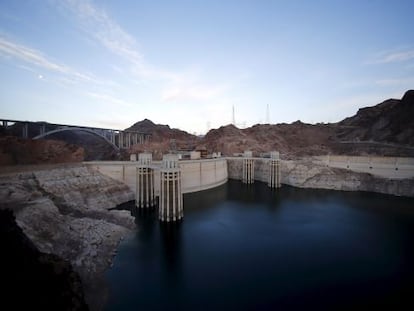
113, 139
274, 170
121, 140
248, 168
145, 196
25, 130
42, 129
171, 197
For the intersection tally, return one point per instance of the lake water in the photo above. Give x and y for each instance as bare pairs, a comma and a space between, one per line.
247, 247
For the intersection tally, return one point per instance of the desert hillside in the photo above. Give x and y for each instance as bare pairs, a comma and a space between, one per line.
384, 129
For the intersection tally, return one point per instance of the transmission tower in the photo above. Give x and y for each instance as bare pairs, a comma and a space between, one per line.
267, 115
173, 146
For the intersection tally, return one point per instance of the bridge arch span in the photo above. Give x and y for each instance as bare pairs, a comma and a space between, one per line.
73, 129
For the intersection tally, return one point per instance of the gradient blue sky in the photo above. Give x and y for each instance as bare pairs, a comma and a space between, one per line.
187, 63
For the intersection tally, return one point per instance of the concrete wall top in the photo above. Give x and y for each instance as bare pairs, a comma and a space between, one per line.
196, 175
158, 163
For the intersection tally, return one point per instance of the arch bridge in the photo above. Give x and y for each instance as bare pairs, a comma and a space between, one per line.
119, 139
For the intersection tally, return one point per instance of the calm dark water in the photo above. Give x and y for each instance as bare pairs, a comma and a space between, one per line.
245, 247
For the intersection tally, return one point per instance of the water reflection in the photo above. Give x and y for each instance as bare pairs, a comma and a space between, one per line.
171, 239
145, 219
205, 199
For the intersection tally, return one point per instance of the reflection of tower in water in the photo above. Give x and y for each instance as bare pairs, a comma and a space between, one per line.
170, 234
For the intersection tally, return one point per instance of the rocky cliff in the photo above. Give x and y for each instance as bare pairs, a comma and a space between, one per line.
67, 212
390, 122
32, 279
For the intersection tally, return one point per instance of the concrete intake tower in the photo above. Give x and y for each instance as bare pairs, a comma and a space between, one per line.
171, 197
145, 196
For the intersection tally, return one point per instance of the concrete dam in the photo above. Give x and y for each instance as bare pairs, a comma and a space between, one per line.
171, 178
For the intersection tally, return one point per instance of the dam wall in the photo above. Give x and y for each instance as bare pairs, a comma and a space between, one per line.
196, 175
323, 172
261, 168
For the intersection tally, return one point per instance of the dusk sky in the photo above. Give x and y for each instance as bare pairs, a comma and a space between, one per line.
187, 63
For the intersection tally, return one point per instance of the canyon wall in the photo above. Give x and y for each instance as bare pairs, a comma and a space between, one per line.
66, 211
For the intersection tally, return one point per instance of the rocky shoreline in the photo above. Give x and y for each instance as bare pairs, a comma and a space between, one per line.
69, 212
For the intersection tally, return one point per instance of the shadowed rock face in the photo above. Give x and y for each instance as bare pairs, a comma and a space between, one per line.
67, 211
95, 148
390, 121
34, 280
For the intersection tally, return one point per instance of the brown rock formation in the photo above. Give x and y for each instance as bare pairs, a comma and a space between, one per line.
390, 121
14, 150
163, 139
384, 129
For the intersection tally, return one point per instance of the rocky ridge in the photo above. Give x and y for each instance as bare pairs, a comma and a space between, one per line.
389, 122
163, 139
386, 129
67, 212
